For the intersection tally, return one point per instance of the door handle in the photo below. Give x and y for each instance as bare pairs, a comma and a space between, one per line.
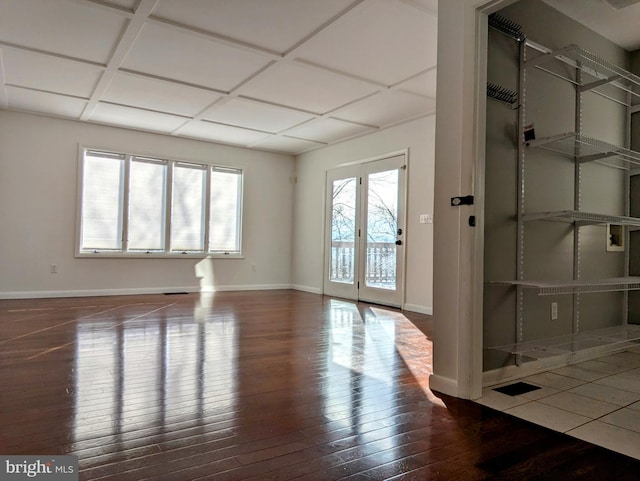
398, 242
399, 231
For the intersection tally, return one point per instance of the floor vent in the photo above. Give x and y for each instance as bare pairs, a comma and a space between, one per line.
516, 389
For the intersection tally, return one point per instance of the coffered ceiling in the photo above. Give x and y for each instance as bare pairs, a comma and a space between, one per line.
280, 75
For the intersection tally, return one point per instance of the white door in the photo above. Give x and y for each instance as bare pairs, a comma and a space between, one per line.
364, 254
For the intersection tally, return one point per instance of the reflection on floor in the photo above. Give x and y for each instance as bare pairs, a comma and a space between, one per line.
597, 401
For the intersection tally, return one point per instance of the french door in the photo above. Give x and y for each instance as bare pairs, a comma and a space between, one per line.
365, 241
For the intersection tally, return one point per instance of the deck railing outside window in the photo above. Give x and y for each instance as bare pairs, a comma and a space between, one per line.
380, 262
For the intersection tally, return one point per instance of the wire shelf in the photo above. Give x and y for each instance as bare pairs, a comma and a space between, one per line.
597, 71
610, 337
583, 218
549, 288
587, 149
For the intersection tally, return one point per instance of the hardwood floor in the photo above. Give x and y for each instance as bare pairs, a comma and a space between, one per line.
269, 385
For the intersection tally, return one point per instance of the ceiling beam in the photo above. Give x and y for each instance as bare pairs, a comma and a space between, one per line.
129, 36
4, 95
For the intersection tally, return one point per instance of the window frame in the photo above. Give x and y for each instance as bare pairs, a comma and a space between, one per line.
123, 252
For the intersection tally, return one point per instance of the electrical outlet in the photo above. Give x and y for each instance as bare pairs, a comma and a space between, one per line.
253, 267
554, 311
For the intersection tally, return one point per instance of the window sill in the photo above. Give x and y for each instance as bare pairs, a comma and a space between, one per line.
155, 255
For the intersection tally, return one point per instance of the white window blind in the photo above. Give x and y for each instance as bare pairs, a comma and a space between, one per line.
102, 182
224, 217
147, 181
132, 205
187, 208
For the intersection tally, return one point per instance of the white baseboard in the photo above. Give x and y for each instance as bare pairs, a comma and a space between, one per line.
135, 291
252, 287
312, 290
418, 308
514, 372
444, 385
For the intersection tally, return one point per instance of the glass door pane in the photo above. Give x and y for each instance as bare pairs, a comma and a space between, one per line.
343, 230
382, 229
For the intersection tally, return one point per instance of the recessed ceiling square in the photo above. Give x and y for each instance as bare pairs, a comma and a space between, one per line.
154, 94
386, 108
327, 130
274, 25
424, 84
69, 28
379, 40
221, 133
306, 88
173, 54
135, 118
45, 103
288, 145
256, 115
27, 69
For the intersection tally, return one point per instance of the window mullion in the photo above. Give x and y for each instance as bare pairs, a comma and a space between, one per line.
168, 205
125, 204
207, 210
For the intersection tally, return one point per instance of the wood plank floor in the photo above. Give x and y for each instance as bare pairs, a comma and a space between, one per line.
270, 385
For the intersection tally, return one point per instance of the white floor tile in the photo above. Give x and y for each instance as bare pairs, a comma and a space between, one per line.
605, 367
626, 359
552, 380
548, 416
582, 373
607, 394
621, 381
624, 418
591, 408
609, 436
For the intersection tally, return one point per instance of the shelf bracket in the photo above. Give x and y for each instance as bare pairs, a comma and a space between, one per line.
599, 83
594, 157
540, 59
548, 140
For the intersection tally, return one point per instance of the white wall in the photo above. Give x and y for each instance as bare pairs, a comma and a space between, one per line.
311, 168
457, 310
38, 189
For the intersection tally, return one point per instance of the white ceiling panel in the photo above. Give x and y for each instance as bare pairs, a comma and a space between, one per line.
135, 118
386, 108
127, 4
241, 72
268, 24
255, 115
172, 54
387, 41
153, 94
45, 103
287, 145
221, 133
428, 5
61, 27
327, 130
424, 84
305, 88
26, 69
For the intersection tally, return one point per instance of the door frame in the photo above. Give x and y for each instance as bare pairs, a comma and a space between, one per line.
325, 231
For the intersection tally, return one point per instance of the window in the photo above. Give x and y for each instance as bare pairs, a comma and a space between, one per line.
133, 205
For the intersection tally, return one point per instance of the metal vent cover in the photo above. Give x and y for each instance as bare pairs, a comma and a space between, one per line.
619, 4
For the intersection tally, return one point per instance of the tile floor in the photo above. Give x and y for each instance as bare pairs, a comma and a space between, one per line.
597, 401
